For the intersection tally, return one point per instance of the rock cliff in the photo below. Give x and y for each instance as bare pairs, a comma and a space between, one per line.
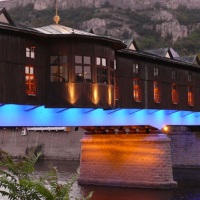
170, 20
124, 4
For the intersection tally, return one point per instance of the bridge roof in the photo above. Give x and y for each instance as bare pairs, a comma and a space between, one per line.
148, 55
59, 29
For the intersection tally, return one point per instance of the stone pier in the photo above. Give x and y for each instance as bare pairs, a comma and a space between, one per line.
126, 160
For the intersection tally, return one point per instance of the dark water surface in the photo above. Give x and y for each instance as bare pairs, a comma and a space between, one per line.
188, 185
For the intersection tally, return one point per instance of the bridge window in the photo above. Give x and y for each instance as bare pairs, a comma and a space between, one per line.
30, 52
30, 81
116, 93
102, 70
115, 64
59, 68
174, 75
174, 94
189, 76
136, 91
83, 68
190, 96
112, 68
156, 90
135, 68
112, 77
155, 71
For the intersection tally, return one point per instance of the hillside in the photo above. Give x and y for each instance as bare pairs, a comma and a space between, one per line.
123, 4
160, 26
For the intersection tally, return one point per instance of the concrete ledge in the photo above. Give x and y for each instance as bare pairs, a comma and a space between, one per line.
119, 183
96, 138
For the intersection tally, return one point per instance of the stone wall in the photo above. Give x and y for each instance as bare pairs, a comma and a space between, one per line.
127, 160
53, 145
185, 147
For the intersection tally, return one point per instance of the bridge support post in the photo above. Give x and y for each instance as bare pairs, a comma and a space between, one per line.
126, 160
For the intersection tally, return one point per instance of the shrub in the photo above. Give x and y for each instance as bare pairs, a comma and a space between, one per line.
16, 179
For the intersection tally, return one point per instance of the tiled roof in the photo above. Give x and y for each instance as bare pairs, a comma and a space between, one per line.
189, 59
159, 52
163, 51
59, 29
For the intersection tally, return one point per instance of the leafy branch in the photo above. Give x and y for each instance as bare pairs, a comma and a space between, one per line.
17, 181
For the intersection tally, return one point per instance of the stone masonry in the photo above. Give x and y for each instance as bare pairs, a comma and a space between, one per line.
127, 160
60, 145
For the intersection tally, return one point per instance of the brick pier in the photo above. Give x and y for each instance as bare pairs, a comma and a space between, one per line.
126, 160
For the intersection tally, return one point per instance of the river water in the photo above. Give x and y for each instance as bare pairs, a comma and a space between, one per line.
188, 185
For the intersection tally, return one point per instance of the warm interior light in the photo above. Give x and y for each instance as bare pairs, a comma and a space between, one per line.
96, 96
72, 96
165, 128
109, 95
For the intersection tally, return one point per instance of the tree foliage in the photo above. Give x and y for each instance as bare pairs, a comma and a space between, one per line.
17, 181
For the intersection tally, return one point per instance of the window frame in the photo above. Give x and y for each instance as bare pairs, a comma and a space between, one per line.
189, 76
30, 52
174, 93
190, 96
30, 81
59, 70
156, 92
156, 71
83, 65
137, 90
174, 74
102, 70
135, 68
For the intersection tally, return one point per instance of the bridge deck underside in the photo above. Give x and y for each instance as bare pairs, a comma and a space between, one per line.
28, 115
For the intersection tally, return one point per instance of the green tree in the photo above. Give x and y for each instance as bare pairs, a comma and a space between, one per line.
17, 181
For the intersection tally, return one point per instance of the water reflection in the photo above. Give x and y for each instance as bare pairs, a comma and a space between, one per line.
188, 185
117, 193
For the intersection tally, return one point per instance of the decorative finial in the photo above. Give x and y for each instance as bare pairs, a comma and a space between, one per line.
56, 17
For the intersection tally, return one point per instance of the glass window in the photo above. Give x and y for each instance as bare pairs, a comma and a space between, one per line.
102, 70
155, 71
59, 68
54, 60
189, 76
78, 59
136, 90
175, 98
173, 74
30, 52
79, 73
112, 77
135, 68
103, 62
190, 96
83, 68
156, 90
112, 64
63, 59
30, 81
98, 60
116, 91
115, 64
87, 60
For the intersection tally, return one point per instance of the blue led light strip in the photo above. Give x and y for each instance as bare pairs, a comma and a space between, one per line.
25, 115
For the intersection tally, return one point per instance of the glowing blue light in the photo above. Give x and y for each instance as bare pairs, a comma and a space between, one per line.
29, 115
